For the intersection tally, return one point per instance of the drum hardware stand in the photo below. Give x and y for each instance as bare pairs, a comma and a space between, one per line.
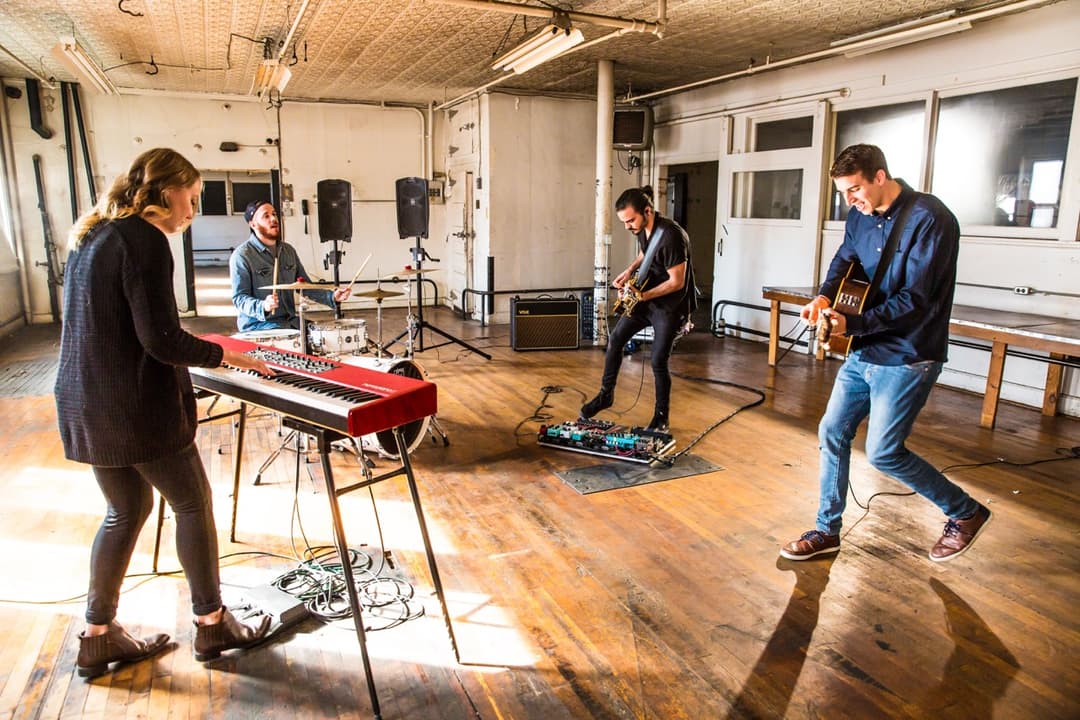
419, 255
435, 427
333, 257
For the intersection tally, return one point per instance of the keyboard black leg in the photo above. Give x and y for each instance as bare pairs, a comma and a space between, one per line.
406, 465
343, 553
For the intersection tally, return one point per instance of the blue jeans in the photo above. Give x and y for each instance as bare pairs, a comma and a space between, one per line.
892, 395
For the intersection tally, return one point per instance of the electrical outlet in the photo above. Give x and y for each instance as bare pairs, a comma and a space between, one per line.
1022, 290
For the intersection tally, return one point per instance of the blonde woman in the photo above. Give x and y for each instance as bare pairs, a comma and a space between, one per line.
126, 407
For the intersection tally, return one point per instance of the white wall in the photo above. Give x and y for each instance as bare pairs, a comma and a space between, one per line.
1038, 45
368, 146
534, 159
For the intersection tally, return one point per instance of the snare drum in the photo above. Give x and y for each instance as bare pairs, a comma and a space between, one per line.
281, 338
338, 337
413, 432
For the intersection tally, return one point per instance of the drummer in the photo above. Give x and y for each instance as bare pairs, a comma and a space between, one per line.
252, 267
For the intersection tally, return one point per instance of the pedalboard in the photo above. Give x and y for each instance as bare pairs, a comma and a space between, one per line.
606, 439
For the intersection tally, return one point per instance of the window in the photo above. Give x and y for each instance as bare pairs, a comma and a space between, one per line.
767, 194
245, 192
1000, 155
213, 198
896, 129
784, 134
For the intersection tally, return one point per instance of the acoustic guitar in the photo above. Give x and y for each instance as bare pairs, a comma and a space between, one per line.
629, 297
850, 298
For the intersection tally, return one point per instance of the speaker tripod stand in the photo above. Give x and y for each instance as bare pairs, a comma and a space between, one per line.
416, 324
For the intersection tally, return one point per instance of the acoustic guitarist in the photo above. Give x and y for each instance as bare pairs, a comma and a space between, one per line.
899, 345
657, 289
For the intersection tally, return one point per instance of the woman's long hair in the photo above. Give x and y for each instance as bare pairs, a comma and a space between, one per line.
140, 191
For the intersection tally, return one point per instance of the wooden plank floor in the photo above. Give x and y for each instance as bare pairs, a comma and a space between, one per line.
661, 601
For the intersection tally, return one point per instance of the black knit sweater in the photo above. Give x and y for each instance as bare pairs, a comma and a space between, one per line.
123, 392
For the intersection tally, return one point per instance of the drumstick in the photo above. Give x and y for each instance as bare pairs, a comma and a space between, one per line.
276, 271
362, 266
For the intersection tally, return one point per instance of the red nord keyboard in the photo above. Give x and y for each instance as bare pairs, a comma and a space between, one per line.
347, 398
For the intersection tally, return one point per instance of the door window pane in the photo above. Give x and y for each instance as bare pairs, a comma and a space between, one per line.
999, 155
896, 129
784, 134
769, 194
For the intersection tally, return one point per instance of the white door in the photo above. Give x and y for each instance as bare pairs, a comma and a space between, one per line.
460, 236
769, 194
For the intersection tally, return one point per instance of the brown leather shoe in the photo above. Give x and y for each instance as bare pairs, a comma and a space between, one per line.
959, 535
811, 544
95, 653
230, 633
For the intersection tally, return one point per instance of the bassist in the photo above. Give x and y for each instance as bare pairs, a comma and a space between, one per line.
661, 295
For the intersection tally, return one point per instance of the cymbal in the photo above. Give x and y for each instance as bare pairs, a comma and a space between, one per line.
299, 285
408, 271
377, 293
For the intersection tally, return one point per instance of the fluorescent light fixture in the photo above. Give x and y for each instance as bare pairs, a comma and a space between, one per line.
865, 47
893, 29
83, 67
550, 42
271, 75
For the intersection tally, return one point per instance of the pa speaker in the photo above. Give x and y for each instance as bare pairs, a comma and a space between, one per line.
412, 207
335, 210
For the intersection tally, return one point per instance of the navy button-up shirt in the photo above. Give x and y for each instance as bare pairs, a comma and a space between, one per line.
907, 319
251, 267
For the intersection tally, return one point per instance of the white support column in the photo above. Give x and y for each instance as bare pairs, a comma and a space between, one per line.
605, 121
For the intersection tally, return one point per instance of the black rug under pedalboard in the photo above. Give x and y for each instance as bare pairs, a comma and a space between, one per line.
606, 439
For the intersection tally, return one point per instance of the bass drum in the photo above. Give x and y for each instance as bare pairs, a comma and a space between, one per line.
413, 432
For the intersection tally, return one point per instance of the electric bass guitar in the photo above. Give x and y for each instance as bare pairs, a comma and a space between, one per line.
850, 298
629, 297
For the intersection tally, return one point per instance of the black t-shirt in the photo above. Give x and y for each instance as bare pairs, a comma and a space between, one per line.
674, 249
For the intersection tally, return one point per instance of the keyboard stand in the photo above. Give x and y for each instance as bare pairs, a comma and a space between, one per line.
324, 438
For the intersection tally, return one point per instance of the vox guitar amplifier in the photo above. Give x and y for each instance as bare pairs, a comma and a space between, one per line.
544, 323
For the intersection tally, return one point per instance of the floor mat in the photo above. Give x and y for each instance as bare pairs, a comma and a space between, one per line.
611, 476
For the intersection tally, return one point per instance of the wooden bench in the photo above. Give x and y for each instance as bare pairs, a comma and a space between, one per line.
1059, 337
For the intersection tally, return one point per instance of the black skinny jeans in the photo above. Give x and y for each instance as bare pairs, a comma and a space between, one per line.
181, 479
665, 324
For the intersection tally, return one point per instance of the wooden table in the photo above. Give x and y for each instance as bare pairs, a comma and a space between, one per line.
1059, 337
793, 296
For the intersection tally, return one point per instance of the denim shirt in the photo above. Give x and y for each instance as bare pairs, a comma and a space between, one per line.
907, 319
251, 266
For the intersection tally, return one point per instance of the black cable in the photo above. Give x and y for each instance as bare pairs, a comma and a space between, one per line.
669, 460
538, 414
794, 342
1063, 453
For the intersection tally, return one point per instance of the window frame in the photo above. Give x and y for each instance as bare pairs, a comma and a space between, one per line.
1069, 204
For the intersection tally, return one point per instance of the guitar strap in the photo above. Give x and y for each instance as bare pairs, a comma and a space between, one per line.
653, 243
890, 245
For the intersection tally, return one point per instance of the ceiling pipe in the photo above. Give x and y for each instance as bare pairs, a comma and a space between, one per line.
632, 24
40, 78
292, 30
912, 35
507, 76
623, 26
